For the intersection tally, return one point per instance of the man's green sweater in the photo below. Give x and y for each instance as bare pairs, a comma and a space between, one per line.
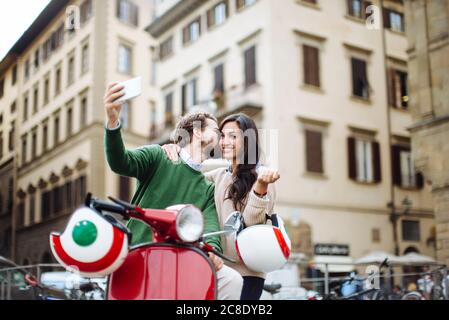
160, 184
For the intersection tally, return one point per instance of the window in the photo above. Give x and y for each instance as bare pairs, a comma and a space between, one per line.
45, 136
219, 79
364, 160
357, 8
85, 58
14, 75
83, 112
12, 134
128, 12
217, 15
25, 107
393, 20
36, 59
71, 70
57, 199
125, 115
2, 88
80, 190
46, 205
27, 70
410, 230
189, 95
398, 89
153, 120
240, 4
375, 235
403, 169
314, 151
33, 144
1, 145
124, 59
192, 32
46, 89
24, 149
32, 200
58, 81
13, 107
360, 85
35, 98
311, 66
124, 188
169, 109
250, 66
68, 196
56, 129
85, 11
166, 48
69, 120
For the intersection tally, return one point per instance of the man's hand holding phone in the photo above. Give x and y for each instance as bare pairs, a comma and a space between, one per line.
112, 107
116, 94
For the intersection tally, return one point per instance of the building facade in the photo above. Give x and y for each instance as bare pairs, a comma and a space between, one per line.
334, 97
429, 68
55, 76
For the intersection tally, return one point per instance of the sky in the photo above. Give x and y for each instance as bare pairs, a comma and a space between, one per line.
15, 18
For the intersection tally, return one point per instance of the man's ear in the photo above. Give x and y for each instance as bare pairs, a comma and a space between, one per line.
197, 132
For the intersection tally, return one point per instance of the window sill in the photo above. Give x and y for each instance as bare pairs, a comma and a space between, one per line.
361, 100
366, 183
404, 188
355, 19
397, 32
315, 175
315, 6
129, 24
312, 88
401, 109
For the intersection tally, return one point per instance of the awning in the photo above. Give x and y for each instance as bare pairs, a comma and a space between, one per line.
414, 258
336, 264
377, 257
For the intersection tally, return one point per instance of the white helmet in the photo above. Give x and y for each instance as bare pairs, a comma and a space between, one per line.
264, 248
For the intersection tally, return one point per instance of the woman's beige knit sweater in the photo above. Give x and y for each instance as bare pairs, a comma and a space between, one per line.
253, 213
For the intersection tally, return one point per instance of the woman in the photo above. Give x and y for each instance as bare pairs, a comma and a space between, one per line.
241, 188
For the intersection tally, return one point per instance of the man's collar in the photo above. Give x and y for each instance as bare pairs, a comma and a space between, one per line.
185, 156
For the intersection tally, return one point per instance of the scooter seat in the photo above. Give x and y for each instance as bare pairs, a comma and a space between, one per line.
272, 288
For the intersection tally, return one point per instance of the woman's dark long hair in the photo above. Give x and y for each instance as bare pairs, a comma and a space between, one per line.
246, 174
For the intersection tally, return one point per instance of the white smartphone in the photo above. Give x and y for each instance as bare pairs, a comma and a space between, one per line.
132, 88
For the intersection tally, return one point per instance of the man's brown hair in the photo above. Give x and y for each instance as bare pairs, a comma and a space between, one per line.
187, 123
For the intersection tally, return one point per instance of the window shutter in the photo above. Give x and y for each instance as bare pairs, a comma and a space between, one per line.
124, 188
118, 8
250, 66
227, 8
311, 66
135, 15
210, 17
183, 98
352, 163
240, 4
392, 87
185, 35
396, 165
350, 10
386, 18
314, 161
376, 162
419, 180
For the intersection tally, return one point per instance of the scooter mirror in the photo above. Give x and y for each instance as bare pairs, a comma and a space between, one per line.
234, 222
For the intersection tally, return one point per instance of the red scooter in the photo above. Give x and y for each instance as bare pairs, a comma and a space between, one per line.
175, 266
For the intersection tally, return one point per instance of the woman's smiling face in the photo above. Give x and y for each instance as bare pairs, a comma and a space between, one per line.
231, 141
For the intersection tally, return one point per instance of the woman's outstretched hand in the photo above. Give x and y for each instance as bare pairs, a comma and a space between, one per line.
265, 176
171, 150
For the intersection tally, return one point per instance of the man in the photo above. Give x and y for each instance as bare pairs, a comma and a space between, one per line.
162, 183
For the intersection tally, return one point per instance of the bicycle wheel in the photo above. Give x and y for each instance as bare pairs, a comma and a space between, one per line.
412, 296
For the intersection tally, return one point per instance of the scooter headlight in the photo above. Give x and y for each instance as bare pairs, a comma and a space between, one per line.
189, 224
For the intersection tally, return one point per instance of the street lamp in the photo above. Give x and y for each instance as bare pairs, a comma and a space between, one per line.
394, 217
